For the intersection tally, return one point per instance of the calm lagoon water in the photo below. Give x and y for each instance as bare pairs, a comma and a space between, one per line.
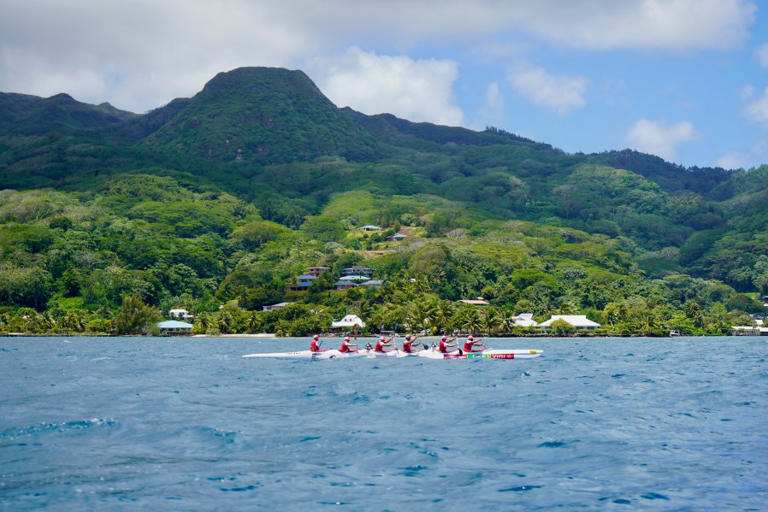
187, 424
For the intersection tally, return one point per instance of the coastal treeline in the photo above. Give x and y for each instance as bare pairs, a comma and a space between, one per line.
116, 259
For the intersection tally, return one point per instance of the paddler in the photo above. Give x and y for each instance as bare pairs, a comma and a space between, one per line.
409, 342
447, 345
471, 344
383, 342
347, 345
314, 346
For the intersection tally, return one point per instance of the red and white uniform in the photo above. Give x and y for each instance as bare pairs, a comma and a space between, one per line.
469, 344
345, 346
314, 347
379, 347
441, 347
407, 345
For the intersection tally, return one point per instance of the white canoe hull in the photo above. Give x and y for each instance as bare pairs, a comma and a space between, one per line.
428, 354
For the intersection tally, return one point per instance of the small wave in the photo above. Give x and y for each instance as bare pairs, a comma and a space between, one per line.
556, 444
654, 496
520, 488
32, 430
239, 489
413, 470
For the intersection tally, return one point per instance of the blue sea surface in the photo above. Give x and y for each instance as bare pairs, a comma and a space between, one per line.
187, 424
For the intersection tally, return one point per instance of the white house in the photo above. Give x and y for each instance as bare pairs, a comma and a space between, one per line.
180, 313
355, 279
525, 320
370, 227
274, 307
174, 328
348, 322
475, 302
577, 321
357, 271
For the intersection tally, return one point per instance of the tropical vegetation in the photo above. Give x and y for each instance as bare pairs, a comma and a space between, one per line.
108, 219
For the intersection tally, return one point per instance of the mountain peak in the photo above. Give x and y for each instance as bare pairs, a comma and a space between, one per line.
256, 79
264, 115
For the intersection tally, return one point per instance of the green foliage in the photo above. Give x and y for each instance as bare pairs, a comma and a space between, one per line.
164, 207
135, 317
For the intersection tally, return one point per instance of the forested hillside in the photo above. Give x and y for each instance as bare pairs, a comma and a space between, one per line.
225, 197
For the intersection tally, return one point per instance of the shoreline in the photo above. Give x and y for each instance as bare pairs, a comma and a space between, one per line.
369, 336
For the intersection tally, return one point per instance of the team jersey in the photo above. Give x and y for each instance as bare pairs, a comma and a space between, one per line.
407, 346
313, 346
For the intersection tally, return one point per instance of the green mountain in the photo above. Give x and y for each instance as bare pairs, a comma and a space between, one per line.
262, 115
235, 190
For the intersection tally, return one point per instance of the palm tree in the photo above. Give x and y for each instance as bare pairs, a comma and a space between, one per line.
424, 313
444, 310
467, 319
491, 320
508, 322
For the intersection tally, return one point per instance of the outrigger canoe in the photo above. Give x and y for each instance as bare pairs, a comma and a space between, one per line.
428, 354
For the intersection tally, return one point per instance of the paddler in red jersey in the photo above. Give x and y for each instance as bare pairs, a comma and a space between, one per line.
347, 345
314, 346
447, 345
383, 342
409, 343
471, 344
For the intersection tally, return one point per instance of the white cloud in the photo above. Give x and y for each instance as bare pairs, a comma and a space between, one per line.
757, 110
733, 160
137, 54
744, 159
678, 25
142, 53
762, 54
659, 139
560, 93
418, 90
746, 92
494, 102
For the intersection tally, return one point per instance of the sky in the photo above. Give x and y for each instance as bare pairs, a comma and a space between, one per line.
686, 80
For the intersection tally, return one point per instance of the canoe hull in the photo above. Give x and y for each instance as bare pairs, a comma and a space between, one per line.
427, 354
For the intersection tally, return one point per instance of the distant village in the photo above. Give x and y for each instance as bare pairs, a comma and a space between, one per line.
181, 320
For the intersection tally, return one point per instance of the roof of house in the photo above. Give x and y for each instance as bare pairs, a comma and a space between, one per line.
525, 320
306, 277
278, 305
348, 321
356, 278
475, 302
344, 283
174, 324
576, 321
370, 226
373, 282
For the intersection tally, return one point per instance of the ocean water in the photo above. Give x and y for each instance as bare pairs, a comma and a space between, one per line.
187, 424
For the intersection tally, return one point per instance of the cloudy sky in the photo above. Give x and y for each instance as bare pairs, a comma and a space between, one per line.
683, 79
